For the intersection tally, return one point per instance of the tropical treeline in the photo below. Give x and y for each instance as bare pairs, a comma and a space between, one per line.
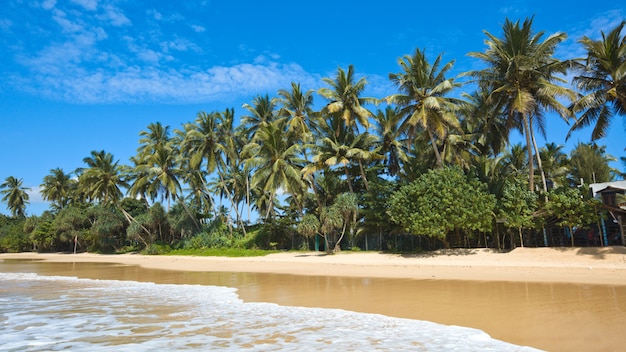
429, 166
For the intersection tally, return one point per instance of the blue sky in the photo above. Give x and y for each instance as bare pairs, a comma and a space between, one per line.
83, 75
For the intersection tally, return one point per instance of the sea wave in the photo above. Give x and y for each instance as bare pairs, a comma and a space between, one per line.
44, 313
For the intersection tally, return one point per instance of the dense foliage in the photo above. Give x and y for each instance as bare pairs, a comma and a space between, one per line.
431, 166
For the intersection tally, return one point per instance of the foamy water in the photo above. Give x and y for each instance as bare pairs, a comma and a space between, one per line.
50, 313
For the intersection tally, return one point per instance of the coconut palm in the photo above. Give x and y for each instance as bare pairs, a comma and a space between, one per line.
155, 136
485, 122
603, 79
297, 107
103, 179
523, 78
387, 127
555, 164
275, 160
262, 111
15, 196
423, 88
345, 98
159, 175
58, 188
589, 163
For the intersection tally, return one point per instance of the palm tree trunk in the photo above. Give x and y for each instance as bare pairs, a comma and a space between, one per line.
230, 198
433, 142
539, 163
365, 183
529, 150
348, 179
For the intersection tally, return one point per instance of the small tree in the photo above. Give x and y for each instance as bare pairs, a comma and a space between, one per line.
309, 226
516, 206
441, 201
571, 209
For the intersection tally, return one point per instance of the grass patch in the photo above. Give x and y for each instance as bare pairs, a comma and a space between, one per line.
221, 252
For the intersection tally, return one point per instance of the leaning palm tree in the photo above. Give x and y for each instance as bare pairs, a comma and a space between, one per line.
603, 79
524, 79
423, 88
345, 98
58, 188
15, 196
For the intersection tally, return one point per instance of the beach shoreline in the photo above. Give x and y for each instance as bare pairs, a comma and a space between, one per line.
587, 265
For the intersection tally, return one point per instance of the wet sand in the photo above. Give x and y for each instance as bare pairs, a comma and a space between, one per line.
553, 299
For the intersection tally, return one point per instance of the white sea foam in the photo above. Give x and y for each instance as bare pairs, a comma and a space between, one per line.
45, 313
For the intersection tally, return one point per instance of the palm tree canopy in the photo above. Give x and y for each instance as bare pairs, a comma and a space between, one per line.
15, 196
603, 79
345, 98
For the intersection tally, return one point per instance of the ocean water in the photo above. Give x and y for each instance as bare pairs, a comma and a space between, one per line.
54, 313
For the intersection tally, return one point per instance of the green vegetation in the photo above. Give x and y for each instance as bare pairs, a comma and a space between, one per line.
429, 166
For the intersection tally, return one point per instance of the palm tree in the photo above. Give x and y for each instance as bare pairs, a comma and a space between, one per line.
14, 194
589, 163
422, 98
345, 98
158, 174
387, 123
486, 123
297, 108
275, 160
58, 188
103, 179
150, 140
523, 79
331, 149
603, 78
262, 111
555, 164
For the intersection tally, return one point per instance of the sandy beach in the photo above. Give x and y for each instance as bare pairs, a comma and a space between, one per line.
557, 299
594, 265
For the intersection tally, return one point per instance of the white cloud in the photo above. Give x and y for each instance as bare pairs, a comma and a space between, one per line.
114, 16
603, 22
138, 84
90, 5
34, 195
48, 4
197, 28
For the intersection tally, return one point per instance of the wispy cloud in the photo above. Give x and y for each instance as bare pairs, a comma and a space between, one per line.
138, 84
593, 29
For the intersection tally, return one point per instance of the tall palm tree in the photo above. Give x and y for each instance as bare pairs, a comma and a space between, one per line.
603, 79
523, 78
58, 188
423, 88
15, 196
345, 98
103, 179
